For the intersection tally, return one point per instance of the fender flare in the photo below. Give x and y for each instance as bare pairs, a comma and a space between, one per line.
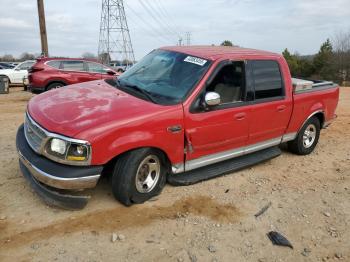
311, 115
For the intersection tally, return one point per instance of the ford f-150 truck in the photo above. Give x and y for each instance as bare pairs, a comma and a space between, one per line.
181, 114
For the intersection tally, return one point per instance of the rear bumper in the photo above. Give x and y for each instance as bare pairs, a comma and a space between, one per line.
36, 88
49, 179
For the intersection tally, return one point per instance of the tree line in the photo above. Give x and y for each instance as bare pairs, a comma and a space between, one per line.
332, 62
23, 57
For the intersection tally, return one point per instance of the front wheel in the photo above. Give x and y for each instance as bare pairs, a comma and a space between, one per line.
307, 138
138, 176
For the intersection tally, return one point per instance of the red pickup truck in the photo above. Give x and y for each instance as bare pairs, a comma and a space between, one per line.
181, 114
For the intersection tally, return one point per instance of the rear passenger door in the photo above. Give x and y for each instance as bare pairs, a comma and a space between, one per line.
271, 106
74, 71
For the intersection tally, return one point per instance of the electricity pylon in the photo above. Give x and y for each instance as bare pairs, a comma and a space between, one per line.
114, 41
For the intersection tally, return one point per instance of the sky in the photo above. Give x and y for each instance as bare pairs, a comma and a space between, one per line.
273, 25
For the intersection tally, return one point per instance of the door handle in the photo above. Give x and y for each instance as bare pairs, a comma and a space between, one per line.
240, 116
281, 108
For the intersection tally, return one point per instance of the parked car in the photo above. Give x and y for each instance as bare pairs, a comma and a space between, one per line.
52, 73
181, 114
120, 68
17, 73
4, 65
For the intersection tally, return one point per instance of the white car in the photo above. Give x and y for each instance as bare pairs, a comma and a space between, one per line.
17, 73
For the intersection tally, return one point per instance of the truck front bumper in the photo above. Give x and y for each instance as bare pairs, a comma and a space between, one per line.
55, 182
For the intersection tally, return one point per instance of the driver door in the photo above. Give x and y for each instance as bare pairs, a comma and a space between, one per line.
219, 132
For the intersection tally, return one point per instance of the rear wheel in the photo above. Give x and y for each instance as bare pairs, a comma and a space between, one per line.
54, 86
307, 138
138, 176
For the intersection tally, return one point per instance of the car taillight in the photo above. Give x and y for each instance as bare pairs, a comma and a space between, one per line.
34, 69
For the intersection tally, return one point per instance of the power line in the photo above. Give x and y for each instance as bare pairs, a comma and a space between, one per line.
160, 34
155, 18
163, 18
164, 13
188, 38
145, 28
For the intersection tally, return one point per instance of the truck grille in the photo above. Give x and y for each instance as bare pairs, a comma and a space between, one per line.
34, 134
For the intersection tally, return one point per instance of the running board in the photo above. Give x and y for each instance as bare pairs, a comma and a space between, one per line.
221, 168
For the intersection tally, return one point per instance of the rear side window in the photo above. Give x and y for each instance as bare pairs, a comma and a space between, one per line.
267, 79
25, 66
72, 65
54, 64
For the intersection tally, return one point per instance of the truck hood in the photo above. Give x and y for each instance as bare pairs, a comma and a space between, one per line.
87, 110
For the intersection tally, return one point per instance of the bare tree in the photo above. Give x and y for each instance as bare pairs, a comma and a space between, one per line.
7, 58
88, 55
26, 56
341, 44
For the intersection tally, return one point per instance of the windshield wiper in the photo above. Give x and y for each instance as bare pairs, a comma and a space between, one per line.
138, 89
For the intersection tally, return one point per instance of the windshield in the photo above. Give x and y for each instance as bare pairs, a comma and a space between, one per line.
165, 76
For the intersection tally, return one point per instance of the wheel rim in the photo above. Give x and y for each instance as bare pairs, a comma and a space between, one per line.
148, 174
55, 87
309, 135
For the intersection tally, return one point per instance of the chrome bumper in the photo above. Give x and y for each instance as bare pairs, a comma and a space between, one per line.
59, 182
55, 183
52, 173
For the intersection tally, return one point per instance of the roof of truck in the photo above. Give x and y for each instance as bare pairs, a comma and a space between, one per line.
217, 52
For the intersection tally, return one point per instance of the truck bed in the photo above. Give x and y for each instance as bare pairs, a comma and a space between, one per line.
324, 99
308, 85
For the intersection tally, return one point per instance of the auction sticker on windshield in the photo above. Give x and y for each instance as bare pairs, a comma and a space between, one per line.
195, 60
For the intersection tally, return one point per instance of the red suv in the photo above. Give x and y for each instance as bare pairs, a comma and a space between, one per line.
52, 73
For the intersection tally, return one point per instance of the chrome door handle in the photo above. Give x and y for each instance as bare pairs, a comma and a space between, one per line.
281, 108
240, 116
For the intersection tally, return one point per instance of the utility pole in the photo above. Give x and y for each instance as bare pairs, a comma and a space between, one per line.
42, 24
114, 41
188, 38
180, 41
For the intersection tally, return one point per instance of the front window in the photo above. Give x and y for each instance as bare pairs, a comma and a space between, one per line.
97, 68
164, 76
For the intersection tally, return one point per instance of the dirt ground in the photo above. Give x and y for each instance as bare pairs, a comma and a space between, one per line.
209, 221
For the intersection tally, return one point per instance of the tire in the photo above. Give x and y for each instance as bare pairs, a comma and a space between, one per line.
130, 174
54, 86
307, 138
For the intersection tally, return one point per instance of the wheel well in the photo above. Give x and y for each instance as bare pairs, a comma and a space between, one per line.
108, 167
52, 82
320, 117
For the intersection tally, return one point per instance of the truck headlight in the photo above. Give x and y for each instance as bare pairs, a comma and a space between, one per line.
68, 151
58, 146
77, 152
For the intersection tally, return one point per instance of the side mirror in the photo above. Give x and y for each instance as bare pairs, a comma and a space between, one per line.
212, 99
17, 69
110, 72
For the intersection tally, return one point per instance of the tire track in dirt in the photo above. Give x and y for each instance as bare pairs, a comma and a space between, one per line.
125, 217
